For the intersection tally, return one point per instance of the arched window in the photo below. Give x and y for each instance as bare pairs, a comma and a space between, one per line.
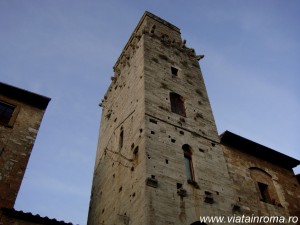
264, 186
177, 104
188, 162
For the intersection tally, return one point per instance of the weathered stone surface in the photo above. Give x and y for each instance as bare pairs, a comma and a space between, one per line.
17, 139
159, 158
247, 170
137, 103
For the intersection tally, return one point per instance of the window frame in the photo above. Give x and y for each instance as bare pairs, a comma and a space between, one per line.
13, 117
265, 190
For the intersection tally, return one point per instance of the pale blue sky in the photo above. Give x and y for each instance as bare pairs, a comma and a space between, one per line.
65, 49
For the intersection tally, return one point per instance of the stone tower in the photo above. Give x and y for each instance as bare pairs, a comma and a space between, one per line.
159, 159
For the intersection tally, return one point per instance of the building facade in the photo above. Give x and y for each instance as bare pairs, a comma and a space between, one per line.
21, 113
263, 178
159, 158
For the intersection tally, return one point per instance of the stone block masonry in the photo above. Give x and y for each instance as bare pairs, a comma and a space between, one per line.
21, 115
156, 104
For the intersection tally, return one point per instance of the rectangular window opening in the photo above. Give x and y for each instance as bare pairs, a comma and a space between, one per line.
264, 192
153, 121
178, 185
177, 104
174, 71
6, 112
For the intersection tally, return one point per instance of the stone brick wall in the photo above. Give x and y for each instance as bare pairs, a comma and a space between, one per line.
176, 200
119, 175
142, 180
246, 170
16, 142
155, 109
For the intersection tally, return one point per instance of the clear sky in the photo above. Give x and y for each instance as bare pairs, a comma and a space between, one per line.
65, 49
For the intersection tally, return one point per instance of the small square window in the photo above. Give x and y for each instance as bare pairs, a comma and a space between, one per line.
6, 113
174, 71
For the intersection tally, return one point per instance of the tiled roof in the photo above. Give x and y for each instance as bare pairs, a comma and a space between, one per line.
20, 215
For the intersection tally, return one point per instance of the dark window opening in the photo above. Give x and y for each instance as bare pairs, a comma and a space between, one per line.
178, 185
136, 150
207, 193
264, 192
121, 140
6, 113
153, 121
177, 104
188, 162
174, 71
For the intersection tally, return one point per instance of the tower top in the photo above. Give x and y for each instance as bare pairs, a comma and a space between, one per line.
145, 25
158, 19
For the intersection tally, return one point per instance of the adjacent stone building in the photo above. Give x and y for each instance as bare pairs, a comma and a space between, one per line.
159, 158
263, 178
21, 114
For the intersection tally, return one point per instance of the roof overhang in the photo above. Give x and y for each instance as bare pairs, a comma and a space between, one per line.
258, 150
25, 96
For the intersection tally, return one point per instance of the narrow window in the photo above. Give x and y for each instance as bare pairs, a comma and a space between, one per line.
6, 113
174, 71
264, 192
177, 104
188, 162
121, 139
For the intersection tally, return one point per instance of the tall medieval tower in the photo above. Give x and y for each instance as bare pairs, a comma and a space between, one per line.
159, 159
